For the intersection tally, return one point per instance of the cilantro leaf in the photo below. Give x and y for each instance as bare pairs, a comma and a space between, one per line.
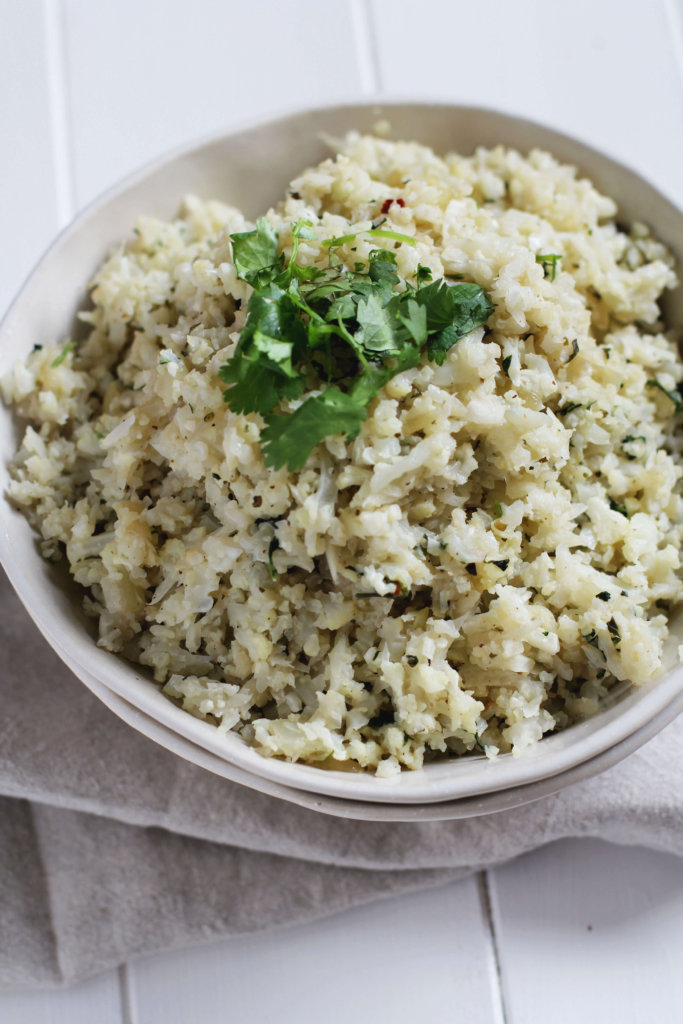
376, 326
452, 311
257, 384
374, 377
262, 370
436, 299
413, 316
369, 383
342, 308
382, 266
289, 440
352, 329
275, 352
255, 251
272, 311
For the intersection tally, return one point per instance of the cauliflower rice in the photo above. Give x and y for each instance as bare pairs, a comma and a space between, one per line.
496, 549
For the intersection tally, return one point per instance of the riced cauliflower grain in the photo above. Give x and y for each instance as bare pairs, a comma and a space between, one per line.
494, 552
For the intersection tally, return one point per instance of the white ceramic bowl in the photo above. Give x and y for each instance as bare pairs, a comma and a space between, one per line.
251, 169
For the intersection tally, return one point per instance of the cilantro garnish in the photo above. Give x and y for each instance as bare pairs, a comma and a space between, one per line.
254, 251
289, 440
335, 333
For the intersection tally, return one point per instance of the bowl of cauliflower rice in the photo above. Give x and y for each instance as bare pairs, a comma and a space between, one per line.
345, 450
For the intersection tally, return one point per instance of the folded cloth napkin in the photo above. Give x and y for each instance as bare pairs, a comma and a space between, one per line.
111, 847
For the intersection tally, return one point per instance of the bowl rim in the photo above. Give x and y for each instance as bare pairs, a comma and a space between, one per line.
493, 802
122, 678
379, 102
477, 775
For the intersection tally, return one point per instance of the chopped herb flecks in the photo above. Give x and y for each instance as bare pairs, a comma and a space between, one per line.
575, 350
549, 263
569, 407
63, 354
617, 507
272, 548
673, 396
614, 632
628, 440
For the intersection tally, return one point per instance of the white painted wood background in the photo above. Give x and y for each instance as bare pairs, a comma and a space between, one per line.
89, 90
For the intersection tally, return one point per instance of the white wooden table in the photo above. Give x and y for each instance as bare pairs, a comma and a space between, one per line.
90, 89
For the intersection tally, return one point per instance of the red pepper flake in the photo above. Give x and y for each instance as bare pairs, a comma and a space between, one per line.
295, 195
386, 205
399, 589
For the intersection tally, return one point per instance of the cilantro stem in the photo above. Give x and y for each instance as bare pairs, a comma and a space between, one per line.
63, 354
671, 395
332, 243
352, 343
396, 236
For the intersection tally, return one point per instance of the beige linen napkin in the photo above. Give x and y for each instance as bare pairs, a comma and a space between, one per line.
111, 847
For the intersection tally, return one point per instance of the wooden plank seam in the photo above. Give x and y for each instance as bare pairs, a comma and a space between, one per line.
58, 99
